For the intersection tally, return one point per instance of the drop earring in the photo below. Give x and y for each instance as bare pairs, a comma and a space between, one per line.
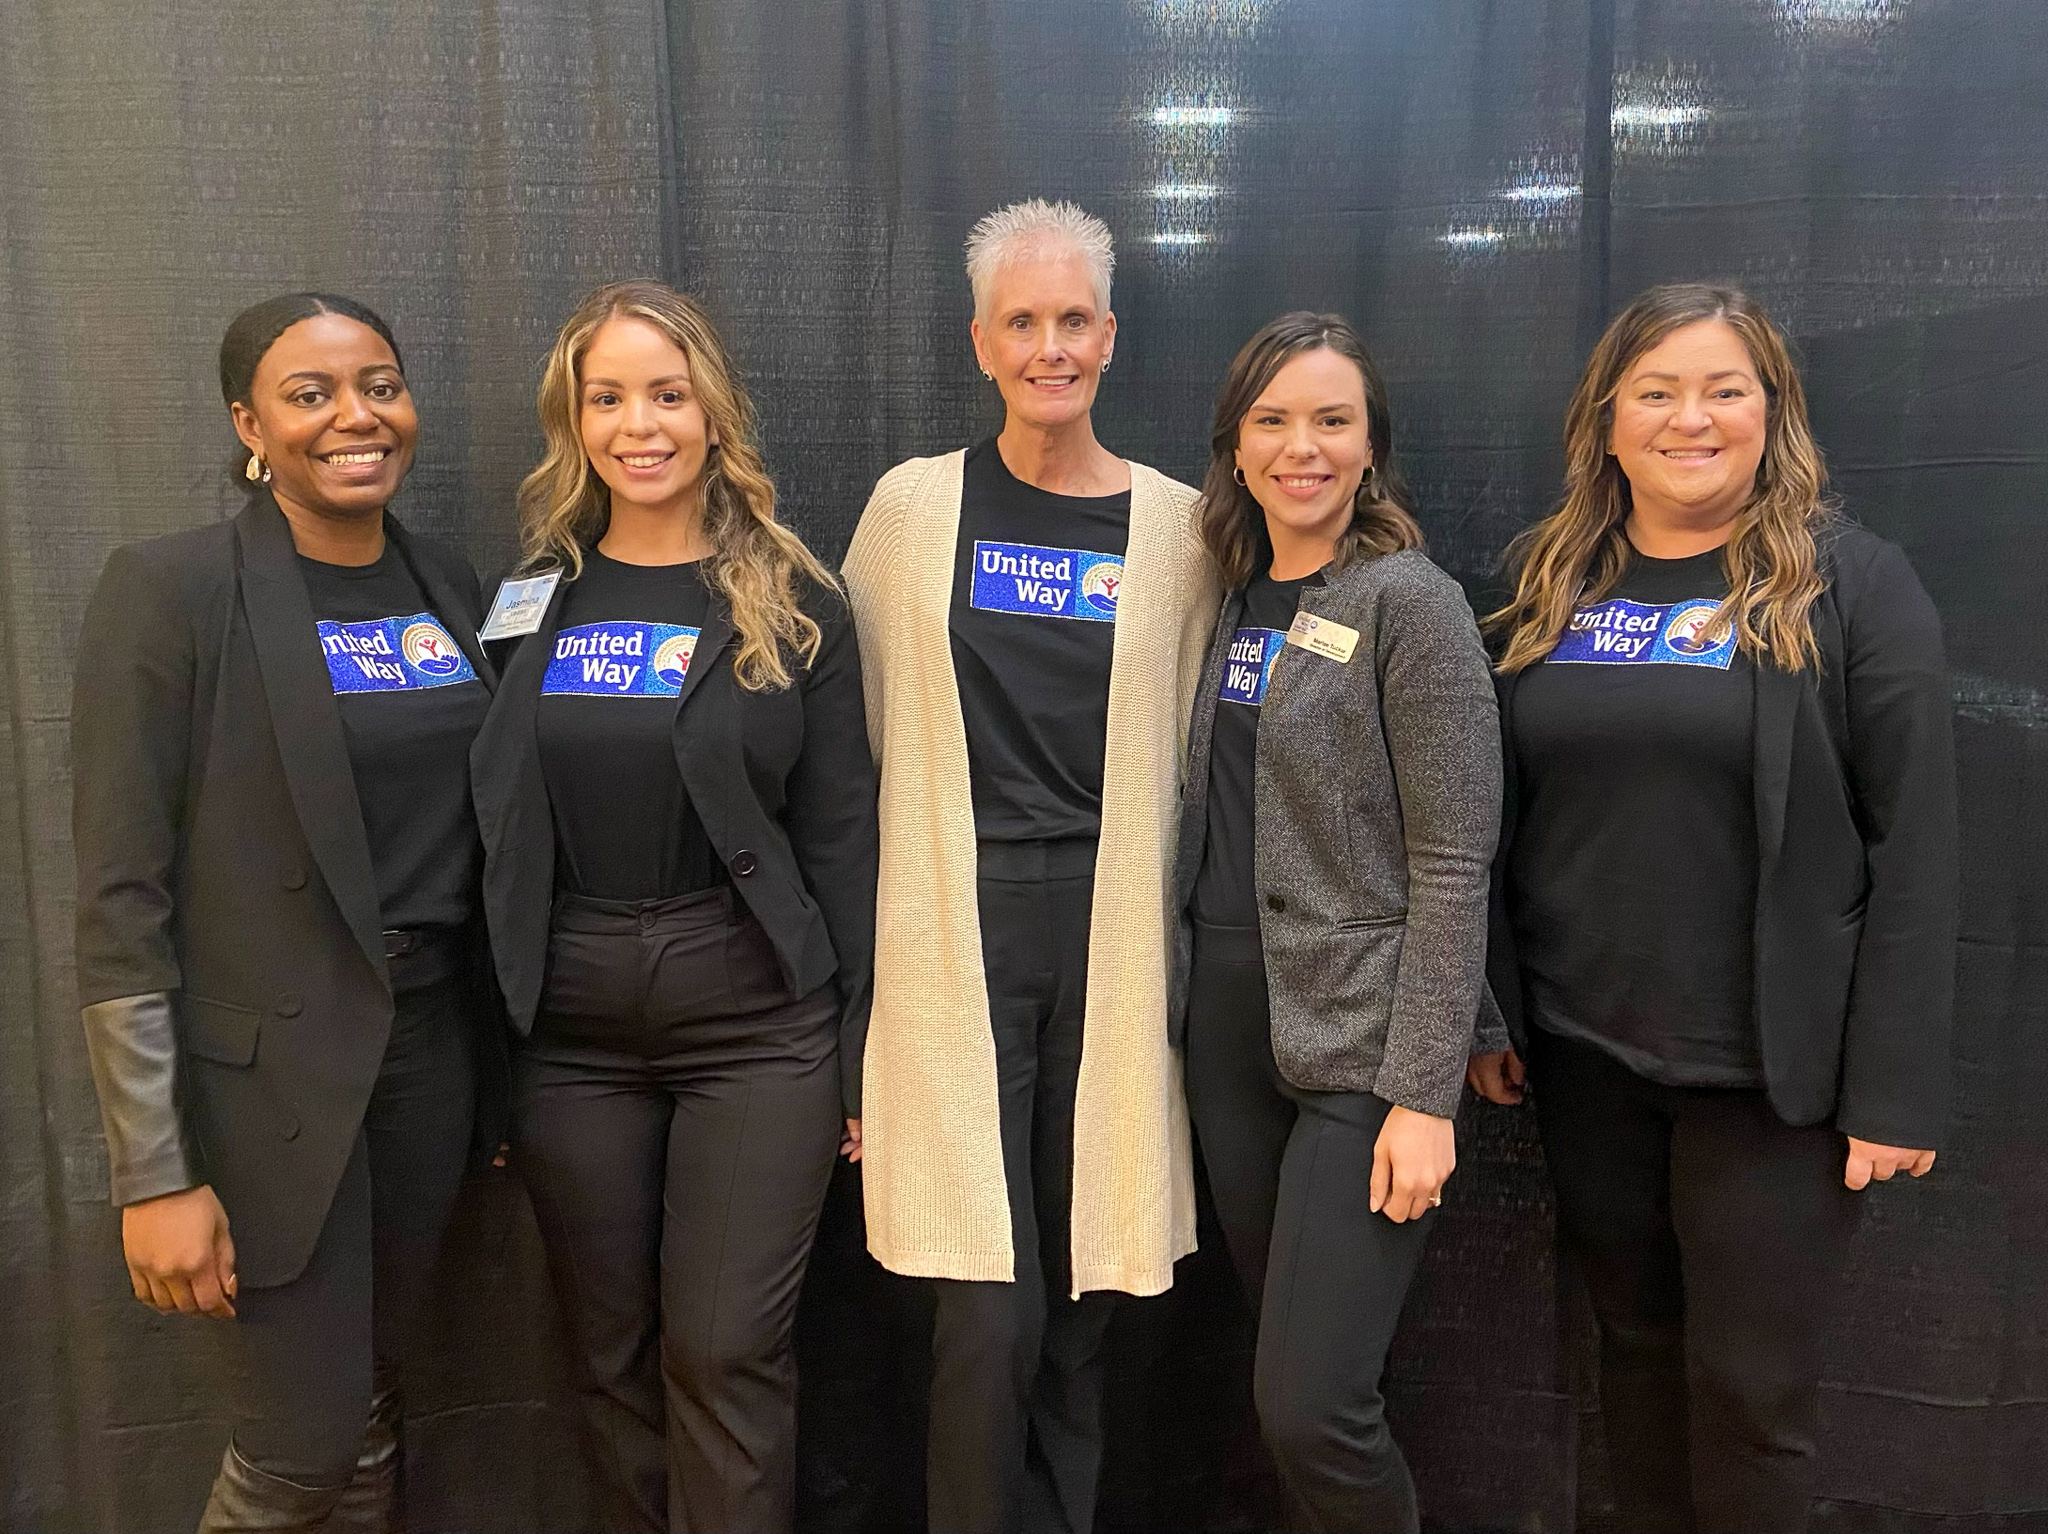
257, 472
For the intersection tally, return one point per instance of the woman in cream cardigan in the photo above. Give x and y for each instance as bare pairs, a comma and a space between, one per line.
1028, 716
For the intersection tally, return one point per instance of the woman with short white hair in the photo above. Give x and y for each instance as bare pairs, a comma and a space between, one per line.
1028, 717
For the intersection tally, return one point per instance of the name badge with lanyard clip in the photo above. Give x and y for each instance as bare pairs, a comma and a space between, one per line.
519, 607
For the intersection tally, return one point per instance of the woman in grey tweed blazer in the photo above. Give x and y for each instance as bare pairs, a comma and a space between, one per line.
1342, 802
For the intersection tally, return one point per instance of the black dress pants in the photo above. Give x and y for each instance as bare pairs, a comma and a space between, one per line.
303, 1357
675, 1116
1712, 1236
1017, 1381
1291, 1173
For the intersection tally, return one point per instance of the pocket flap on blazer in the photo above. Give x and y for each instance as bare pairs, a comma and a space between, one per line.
216, 1031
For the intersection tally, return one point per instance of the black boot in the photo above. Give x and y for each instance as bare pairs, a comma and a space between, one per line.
369, 1503
246, 1500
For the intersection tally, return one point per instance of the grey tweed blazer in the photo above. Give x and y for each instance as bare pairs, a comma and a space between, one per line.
1376, 793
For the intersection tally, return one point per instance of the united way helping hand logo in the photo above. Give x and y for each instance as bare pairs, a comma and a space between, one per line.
392, 655
672, 658
430, 650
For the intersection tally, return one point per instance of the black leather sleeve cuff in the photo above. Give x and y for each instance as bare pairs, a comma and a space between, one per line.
133, 1045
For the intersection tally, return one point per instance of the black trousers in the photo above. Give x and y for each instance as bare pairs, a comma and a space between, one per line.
1712, 1236
675, 1116
1017, 1380
1291, 1174
303, 1357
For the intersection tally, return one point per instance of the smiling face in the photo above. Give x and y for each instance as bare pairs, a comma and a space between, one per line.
330, 416
1690, 421
1045, 338
1304, 448
643, 428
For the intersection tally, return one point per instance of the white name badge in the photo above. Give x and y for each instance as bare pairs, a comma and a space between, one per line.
520, 606
1322, 636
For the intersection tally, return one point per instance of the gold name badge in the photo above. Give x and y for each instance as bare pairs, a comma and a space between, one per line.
1322, 636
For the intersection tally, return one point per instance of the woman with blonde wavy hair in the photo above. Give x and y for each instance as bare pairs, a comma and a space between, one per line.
1724, 917
678, 813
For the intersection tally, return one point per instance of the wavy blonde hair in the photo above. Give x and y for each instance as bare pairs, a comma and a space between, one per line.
756, 564
1575, 555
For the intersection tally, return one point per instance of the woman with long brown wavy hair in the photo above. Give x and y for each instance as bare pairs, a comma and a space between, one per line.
1724, 926
1343, 788
678, 810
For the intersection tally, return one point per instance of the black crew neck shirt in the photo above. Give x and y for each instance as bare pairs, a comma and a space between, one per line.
1633, 871
625, 828
410, 705
1035, 583
1226, 887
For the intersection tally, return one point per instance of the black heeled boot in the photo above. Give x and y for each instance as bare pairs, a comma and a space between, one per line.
246, 1500
369, 1503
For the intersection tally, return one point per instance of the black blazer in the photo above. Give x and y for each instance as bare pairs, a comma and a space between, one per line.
1855, 941
230, 957
782, 780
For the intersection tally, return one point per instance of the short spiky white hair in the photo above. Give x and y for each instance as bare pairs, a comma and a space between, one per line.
1032, 231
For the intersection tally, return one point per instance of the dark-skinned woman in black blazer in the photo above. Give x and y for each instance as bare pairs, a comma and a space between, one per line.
678, 808
1726, 918
277, 885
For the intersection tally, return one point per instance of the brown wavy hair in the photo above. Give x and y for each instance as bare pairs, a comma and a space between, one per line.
1233, 525
1575, 555
756, 564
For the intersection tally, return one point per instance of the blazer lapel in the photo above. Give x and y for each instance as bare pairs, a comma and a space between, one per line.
306, 721
716, 634
1776, 711
442, 596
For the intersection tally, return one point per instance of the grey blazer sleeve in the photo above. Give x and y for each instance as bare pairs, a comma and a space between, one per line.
130, 727
1443, 735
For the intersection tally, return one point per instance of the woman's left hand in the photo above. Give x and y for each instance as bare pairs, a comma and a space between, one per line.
1411, 1161
849, 1143
1867, 1159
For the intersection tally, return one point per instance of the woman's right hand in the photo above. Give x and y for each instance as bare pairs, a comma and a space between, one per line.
180, 1256
1498, 1077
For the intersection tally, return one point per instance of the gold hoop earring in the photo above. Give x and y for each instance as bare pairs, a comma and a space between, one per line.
1238, 475
257, 471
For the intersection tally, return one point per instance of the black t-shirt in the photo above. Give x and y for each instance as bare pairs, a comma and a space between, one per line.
1035, 584
1633, 873
410, 704
624, 825
1226, 887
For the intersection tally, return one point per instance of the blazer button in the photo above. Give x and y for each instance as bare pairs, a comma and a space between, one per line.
743, 863
1275, 903
295, 878
289, 1005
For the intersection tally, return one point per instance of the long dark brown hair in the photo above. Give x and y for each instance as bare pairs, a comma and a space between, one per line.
1575, 555
1233, 525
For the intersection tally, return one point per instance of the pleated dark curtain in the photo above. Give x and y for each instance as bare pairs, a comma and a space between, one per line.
1478, 182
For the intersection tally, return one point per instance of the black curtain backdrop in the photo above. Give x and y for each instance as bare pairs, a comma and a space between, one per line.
1479, 183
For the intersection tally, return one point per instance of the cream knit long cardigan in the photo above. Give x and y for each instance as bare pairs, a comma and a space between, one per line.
932, 1163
